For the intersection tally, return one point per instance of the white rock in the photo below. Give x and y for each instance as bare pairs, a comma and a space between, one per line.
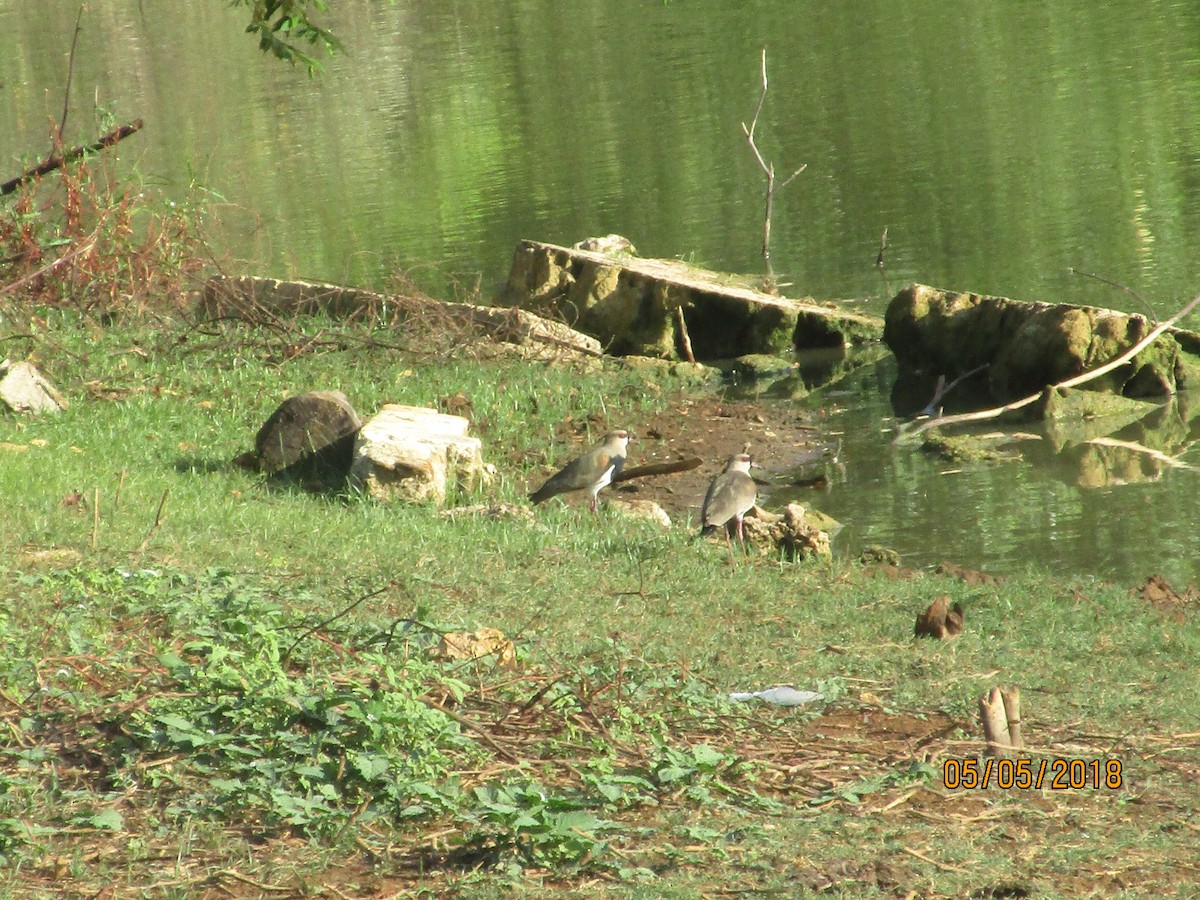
23, 389
413, 454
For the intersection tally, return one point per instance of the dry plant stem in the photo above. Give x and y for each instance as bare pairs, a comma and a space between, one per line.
477, 728
95, 517
85, 247
984, 414
288, 653
120, 485
684, 336
57, 161
768, 168
157, 522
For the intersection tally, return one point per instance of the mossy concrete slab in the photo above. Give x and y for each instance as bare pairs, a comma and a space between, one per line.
655, 307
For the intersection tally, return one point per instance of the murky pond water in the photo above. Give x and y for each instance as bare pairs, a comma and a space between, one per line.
1097, 498
998, 144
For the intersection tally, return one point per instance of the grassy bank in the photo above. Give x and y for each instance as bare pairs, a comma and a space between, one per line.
241, 699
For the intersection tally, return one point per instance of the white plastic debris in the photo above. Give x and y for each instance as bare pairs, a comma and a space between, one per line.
780, 695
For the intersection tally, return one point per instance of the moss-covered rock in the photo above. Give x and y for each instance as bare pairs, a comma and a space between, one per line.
1026, 346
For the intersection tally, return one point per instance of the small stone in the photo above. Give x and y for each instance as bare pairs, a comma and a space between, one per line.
640, 509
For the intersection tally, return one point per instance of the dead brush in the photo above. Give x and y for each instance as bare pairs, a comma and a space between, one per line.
81, 239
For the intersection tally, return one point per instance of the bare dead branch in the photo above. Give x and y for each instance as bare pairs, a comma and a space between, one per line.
767, 167
663, 468
62, 123
791, 177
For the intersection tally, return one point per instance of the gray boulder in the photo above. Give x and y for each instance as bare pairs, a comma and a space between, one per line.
308, 434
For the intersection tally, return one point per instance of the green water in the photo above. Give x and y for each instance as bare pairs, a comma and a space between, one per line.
999, 144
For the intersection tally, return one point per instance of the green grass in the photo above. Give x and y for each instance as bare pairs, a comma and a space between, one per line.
182, 717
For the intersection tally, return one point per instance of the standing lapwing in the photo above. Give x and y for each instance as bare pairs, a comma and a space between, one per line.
591, 472
730, 496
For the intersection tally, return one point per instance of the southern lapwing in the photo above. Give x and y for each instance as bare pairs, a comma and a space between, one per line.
730, 496
590, 472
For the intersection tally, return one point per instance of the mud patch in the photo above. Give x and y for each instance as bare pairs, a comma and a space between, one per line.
713, 429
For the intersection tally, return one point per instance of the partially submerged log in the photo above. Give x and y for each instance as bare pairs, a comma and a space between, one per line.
1021, 347
632, 306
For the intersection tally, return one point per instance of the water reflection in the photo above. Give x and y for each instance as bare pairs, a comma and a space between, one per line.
997, 147
1115, 499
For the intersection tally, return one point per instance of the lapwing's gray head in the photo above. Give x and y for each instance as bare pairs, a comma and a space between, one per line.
621, 436
739, 462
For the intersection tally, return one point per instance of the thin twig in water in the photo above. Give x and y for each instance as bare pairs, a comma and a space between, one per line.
768, 169
879, 262
943, 389
984, 414
1121, 287
62, 123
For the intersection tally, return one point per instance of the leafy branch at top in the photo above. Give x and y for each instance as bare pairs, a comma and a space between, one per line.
283, 26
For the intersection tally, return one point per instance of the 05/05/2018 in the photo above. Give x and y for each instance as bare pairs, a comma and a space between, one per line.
1056, 774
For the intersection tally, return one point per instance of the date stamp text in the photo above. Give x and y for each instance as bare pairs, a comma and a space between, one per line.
1057, 773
